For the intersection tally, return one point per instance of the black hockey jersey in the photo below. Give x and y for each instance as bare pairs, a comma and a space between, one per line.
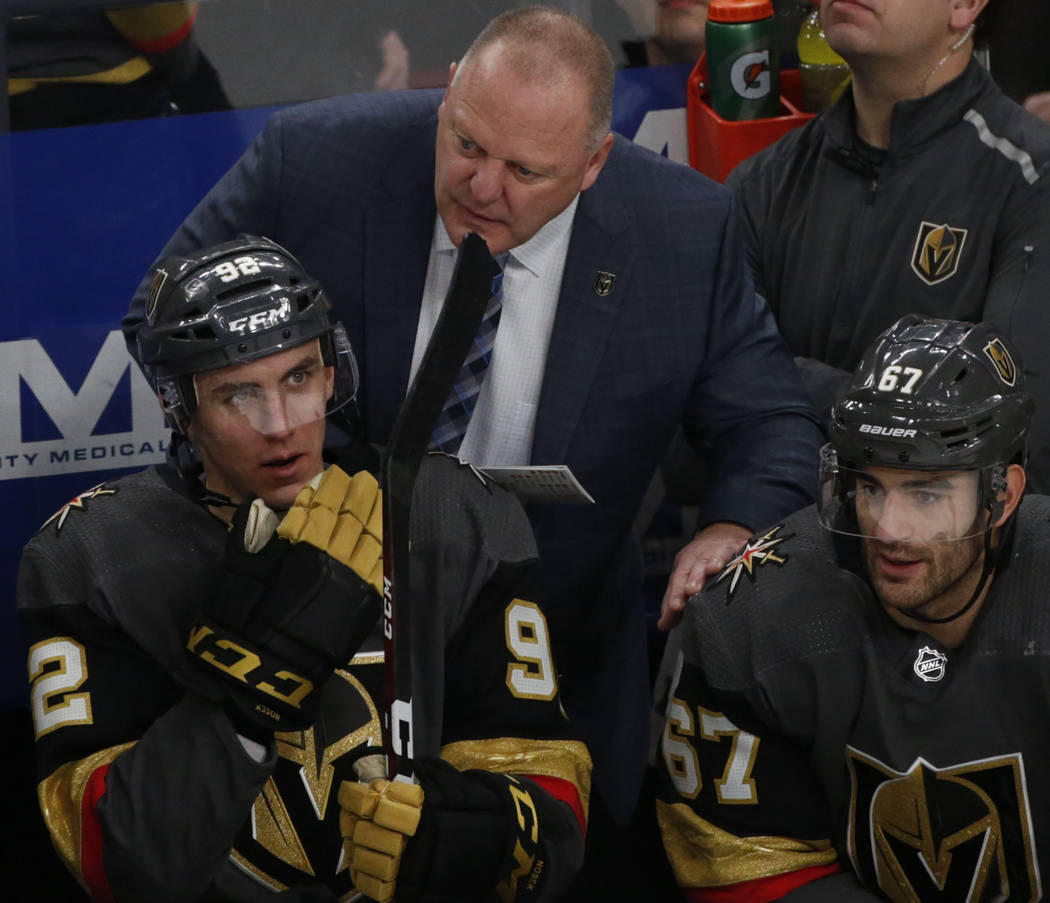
808, 734
149, 793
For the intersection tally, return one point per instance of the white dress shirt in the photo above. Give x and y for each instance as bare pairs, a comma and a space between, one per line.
501, 427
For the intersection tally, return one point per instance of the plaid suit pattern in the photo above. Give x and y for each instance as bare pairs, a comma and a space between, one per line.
454, 418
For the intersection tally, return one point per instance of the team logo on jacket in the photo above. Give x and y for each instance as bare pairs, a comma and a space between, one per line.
1004, 364
962, 833
930, 664
937, 252
757, 552
603, 282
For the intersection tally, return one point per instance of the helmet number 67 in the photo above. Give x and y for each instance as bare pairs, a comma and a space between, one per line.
896, 378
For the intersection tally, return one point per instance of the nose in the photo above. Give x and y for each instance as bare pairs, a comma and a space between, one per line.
273, 416
896, 520
486, 183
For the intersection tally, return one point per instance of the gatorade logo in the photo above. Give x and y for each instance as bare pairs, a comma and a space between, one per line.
750, 75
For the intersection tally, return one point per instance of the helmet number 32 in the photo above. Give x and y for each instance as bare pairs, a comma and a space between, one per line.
896, 378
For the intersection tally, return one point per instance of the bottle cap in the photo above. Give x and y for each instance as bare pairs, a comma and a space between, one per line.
739, 10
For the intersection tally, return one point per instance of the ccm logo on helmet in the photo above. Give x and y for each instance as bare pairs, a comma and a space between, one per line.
892, 432
261, 320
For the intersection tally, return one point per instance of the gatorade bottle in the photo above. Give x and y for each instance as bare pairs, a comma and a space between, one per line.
743, 64
823, 72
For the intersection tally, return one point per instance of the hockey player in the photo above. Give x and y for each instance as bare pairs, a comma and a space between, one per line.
860, 709
201, 688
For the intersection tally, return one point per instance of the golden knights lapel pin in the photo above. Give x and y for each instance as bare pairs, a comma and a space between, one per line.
603, 282
938, 249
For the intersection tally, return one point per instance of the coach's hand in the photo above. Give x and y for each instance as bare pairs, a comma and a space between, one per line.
707, 554
281, 619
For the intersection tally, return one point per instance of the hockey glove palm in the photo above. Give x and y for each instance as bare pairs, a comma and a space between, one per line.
281, 619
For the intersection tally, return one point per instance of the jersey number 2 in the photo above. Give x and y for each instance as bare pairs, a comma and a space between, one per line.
56, 669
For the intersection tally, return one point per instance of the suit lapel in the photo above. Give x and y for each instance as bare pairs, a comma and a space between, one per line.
587, 312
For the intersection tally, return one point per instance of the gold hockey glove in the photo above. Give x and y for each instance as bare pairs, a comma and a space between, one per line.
376, 820
458, 835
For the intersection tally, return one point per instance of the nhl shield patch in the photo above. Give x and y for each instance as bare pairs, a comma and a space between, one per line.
930, 664
938, 249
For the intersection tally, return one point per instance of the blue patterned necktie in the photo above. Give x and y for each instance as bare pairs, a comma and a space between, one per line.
452, 423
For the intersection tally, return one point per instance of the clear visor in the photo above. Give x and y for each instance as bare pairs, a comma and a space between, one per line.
903, 506
278, 393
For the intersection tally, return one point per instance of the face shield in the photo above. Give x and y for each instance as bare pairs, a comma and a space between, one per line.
896, 505
282, 391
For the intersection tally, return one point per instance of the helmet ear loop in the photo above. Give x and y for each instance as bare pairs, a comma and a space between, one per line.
995, 487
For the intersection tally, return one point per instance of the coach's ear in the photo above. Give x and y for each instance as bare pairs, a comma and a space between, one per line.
452, 67
1011, 496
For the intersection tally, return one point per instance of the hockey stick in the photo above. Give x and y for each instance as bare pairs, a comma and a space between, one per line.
468, 295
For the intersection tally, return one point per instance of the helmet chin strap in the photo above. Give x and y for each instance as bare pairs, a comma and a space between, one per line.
992, 557
190, 469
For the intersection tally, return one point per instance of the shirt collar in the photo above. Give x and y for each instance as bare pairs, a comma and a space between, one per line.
552, 238
915, 122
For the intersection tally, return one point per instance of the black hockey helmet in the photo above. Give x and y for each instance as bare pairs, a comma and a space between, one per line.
232, 303
928, 395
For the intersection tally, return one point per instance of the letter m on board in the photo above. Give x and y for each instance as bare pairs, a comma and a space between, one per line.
75, 414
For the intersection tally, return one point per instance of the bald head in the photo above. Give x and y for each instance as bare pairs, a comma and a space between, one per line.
547, 47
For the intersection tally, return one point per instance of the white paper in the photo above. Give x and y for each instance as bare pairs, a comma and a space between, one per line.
540, 483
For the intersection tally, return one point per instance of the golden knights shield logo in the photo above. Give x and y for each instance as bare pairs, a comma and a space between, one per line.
962, 833
1004, 364
603, 282
292, 837
156, 284
938, 249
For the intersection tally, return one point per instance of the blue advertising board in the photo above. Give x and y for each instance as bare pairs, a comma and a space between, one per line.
83, 213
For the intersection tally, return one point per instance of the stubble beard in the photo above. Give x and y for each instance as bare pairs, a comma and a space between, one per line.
949, 575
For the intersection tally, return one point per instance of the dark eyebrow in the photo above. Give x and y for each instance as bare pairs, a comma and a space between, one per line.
309, 360
930, 482
460, 133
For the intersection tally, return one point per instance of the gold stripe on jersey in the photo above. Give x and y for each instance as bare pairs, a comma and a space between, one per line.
257, 873
123, 74
368, 658
61, 795
564, 759
275, 830
705, 856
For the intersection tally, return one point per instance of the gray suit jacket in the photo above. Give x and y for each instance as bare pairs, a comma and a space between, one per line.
680, 340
